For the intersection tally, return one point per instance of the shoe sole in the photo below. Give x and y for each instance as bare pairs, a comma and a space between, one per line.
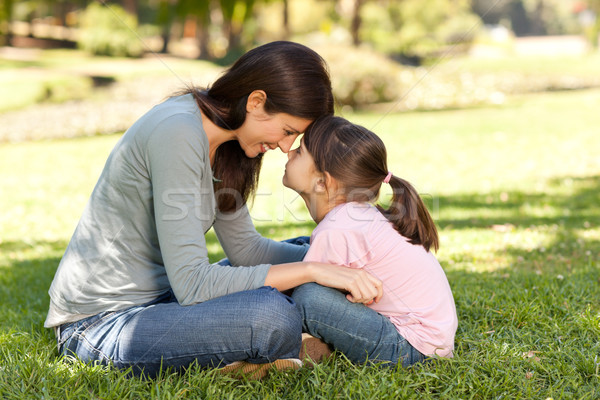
257, 371
313, 350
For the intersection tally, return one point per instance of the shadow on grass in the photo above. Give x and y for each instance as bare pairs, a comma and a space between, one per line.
559, 205
540, 304
562, 215
542, 300
26, 270
28, 266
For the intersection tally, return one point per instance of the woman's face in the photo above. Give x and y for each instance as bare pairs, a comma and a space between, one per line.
262, 131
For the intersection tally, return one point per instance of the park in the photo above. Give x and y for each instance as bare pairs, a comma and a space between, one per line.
500, 138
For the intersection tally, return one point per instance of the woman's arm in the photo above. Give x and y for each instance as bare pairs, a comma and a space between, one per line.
183, 205
360, 285
243, 245
335, 259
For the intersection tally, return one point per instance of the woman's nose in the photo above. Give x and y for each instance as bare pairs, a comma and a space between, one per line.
286, 143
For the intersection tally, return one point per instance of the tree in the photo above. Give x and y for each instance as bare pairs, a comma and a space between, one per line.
170, 12
6, 12
286, 19
594, 6
165, 17
356, 21
235, 14
491, 13
131, 6
416, 29
200, 9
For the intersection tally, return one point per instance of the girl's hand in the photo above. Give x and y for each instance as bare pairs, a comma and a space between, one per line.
361, 286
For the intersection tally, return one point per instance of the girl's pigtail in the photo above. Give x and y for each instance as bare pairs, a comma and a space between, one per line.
410, 216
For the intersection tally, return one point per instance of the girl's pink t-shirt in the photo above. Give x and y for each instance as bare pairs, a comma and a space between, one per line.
416, 295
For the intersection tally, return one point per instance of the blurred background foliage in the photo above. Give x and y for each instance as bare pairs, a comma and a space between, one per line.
378, 50
109, 32
415, 29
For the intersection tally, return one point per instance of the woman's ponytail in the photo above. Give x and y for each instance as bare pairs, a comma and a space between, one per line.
409, 215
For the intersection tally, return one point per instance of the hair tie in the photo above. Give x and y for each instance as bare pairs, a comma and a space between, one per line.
387, 177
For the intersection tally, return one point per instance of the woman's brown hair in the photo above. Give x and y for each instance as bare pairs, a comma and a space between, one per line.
296, 81
357, 158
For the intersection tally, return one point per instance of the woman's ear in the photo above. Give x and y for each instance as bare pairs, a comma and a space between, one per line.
256, 101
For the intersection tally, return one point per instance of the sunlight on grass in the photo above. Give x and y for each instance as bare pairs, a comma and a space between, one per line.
519, 145
515, 191
45, 185
549, 65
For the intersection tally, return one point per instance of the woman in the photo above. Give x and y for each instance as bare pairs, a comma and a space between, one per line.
135, 288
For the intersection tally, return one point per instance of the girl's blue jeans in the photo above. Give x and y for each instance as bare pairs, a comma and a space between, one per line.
354, 329
259, 326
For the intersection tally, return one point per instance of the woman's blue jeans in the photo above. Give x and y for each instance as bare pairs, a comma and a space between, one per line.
258, 326
353, 329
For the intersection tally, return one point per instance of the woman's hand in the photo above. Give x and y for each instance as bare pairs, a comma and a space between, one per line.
361, 286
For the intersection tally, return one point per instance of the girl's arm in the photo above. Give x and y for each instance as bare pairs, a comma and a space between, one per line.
360, 285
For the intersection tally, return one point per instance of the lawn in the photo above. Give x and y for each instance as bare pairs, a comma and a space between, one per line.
515, 190
55, 76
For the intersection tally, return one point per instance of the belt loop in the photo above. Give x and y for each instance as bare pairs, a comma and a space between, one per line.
57, 334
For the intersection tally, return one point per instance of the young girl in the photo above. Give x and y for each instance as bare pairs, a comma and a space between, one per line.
338, 170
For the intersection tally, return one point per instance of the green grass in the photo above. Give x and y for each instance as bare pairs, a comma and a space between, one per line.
61, 75
514, 189
557, 65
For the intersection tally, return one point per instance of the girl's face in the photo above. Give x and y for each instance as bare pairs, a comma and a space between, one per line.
301, 173
262, 131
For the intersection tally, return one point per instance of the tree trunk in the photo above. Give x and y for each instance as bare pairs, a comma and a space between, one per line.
356, 21
595, 7
7, 13
538, 26
286, 19
165, 34
164, 20
131, 7
233, 38
203, 36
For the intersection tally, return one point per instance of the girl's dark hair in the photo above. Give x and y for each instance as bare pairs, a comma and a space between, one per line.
296, 81
357, 158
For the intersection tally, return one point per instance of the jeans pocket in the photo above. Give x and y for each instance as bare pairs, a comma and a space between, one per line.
85, 335
66, 331
74, 339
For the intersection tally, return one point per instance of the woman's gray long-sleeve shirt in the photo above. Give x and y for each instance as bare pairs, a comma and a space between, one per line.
142, 231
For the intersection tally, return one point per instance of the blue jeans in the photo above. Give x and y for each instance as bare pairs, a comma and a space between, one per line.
258, 326
354, 329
